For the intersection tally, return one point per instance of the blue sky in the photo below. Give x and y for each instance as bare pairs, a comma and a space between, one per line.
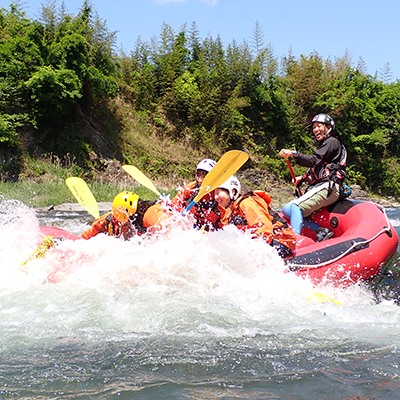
368, 29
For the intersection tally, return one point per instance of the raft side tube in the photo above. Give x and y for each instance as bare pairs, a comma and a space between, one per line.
325, 255
58, 233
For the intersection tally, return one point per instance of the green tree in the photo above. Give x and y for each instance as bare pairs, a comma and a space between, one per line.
50, 69
367, 115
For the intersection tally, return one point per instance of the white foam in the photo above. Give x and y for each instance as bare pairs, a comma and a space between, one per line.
221, 275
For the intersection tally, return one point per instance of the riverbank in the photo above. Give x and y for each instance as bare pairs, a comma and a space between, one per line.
47, 190
280, 195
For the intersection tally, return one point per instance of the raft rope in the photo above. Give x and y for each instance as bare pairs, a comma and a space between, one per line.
47, 242
354, 246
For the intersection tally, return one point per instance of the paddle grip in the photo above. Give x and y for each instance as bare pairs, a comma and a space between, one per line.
190, 206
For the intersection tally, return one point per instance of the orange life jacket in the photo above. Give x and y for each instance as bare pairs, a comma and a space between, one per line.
205, 210
105, 224
147, 215
154, 217
253, 211
187, 194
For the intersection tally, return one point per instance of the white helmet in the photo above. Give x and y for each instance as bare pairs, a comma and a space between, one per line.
230, 185
206, 165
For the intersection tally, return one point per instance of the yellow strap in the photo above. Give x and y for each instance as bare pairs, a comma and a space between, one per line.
321, 298
47, 242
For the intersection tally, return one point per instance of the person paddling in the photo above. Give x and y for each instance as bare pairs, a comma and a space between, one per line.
204, 211
325, 176
253, 211
129, 216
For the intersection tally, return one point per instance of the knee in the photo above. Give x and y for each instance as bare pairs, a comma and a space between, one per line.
296, 218
286, 209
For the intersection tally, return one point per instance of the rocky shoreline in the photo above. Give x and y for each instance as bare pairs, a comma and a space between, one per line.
280, 195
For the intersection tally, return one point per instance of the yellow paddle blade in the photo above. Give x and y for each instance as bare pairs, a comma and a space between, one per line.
140, 177
321, 298
228, 164
84, 195
47, 242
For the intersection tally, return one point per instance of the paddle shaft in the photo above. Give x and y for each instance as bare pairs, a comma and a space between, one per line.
298, 191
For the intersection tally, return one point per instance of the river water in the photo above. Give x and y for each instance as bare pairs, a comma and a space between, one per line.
184, 316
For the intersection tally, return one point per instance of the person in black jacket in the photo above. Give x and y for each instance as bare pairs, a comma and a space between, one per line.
325, 175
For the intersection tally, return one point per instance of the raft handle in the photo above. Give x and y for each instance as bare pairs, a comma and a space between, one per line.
388, 231
357, 246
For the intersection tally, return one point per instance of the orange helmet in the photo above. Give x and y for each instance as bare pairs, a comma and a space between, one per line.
124, 206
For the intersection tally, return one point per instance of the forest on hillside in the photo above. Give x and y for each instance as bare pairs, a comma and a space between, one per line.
65, 92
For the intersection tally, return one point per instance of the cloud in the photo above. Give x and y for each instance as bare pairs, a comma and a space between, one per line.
211, 2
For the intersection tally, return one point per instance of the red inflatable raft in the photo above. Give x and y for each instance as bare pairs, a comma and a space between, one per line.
364, 241
58, 233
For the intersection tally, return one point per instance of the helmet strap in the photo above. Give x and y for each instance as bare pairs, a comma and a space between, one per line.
234, 194
328, 132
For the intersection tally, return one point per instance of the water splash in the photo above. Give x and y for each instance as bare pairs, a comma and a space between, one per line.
183, 310
225, 263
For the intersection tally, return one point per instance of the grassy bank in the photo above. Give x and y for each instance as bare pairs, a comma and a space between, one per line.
43, 184
36, 194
